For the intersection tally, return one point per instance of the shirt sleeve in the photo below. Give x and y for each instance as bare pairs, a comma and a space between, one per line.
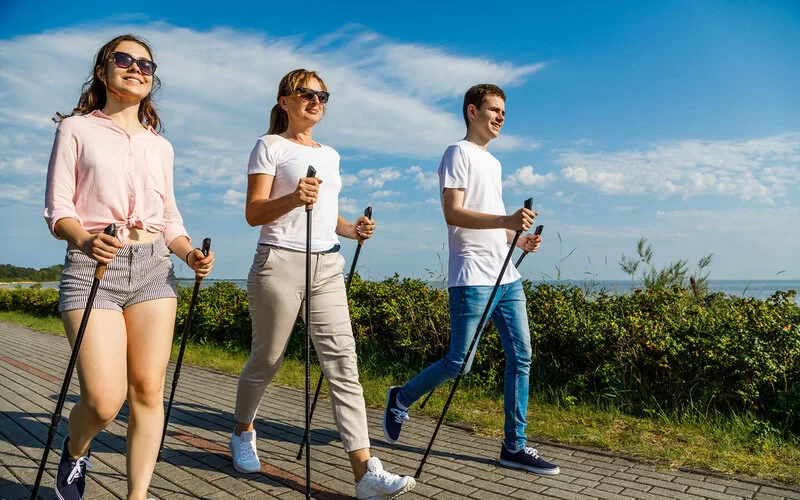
173, 222
62, 178
454, 169
261, 160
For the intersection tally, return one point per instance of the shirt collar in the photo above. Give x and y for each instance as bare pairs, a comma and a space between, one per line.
106, 120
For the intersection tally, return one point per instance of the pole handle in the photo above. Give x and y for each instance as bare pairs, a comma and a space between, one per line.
529, 203
205, 248
100, 270
368, 215
312, 172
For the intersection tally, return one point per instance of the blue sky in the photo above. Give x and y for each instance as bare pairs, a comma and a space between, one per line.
677, 121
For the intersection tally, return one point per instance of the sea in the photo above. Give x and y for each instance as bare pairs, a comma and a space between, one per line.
759, 289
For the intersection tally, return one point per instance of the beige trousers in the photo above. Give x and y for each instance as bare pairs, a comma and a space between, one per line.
276, 293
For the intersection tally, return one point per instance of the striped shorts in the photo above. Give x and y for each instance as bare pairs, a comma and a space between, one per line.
139, 272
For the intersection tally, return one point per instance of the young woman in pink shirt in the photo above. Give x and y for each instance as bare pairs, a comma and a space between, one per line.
108, 164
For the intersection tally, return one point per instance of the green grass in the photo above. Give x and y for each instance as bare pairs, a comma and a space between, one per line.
713, 442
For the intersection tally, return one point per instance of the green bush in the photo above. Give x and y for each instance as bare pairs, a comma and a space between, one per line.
651, 350
34, 300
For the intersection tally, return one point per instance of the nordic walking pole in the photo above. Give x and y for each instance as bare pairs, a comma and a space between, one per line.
528, 205
110, 230
368, 215
311, 173
537, 231
206, 248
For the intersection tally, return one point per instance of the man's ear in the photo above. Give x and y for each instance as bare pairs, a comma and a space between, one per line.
472, 111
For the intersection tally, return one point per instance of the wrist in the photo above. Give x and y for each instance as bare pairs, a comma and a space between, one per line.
83, 239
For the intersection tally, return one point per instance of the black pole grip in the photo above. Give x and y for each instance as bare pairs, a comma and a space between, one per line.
312, 172
368, 212
529, 203
206, 246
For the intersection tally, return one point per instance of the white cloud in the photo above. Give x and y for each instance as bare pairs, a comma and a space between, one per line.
349, 180
219, 85
20, 194
350, 206
375, 178
424, 179
234, 198
760, 170
384, 193
525, 177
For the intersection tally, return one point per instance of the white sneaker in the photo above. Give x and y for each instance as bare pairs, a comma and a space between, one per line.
243, 451
379, 484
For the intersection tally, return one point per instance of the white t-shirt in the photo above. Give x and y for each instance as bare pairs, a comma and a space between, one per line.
476, 255
289, 162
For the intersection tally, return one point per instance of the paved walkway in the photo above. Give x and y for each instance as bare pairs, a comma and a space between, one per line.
197, 462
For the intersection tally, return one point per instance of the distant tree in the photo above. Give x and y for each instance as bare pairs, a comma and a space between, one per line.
15, 273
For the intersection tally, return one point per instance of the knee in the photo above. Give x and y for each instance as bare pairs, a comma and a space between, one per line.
521, 360
146, 391
104, 409
453, 366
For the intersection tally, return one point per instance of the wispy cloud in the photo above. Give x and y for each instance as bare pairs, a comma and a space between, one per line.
761, 170
219, 85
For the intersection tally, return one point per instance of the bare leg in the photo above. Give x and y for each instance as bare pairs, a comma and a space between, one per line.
102, 374
150, 330
240, 428
358, 462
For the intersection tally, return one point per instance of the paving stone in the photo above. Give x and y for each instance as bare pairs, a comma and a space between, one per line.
197, 464
704, 493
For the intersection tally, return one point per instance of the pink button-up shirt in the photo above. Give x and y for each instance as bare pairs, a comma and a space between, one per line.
98, 174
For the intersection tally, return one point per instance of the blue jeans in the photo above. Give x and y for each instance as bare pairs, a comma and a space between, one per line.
509, 314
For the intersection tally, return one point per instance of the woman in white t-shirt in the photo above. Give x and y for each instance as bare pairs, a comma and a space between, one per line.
277, 192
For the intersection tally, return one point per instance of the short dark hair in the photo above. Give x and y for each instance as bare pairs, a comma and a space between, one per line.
475, 96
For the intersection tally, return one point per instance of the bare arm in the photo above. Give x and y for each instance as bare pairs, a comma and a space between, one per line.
260, 209
361, 229
456, 215
100, 247
182, 247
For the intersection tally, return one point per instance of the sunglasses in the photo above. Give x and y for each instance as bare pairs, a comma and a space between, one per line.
308, 94
125, 61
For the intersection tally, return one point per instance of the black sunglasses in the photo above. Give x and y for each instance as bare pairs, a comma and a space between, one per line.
124, 60
308, 94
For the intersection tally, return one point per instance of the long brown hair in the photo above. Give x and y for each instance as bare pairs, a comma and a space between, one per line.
93, 92
278, 117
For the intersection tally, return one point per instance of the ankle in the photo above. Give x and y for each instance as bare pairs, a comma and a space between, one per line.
240, 428
71, 446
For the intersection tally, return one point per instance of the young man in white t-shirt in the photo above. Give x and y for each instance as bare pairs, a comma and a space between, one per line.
479, 232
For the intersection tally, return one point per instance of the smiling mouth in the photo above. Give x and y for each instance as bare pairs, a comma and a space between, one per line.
132, 79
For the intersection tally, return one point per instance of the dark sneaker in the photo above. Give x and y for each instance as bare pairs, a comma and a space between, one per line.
527, 459
71, 475
393, 416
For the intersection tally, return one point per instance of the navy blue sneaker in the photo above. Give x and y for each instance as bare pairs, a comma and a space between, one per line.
71, 475
393, 416
527, 459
